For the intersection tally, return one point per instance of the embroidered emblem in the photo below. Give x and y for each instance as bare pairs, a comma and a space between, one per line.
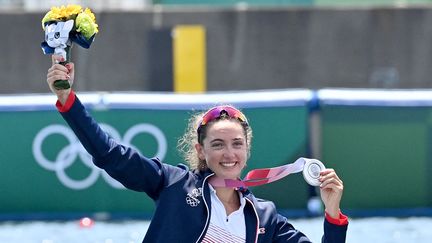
261, 231
192, 197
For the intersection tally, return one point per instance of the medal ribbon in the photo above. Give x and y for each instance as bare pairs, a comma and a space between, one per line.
259, 177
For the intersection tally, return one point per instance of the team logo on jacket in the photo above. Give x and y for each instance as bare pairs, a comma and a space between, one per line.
192, 197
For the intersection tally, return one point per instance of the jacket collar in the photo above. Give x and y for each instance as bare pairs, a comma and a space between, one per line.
251, 215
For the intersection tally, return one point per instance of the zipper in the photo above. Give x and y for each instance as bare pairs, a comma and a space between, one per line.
256, 214
208, 211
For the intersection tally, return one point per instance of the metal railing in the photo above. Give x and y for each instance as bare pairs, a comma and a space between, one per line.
98, 5
35, 5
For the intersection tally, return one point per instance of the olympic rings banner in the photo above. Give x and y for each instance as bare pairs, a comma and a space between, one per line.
44, 168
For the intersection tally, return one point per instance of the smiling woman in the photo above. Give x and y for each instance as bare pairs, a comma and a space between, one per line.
202, 125
224, 150
217, 146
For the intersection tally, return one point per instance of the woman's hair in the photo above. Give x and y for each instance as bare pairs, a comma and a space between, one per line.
186, 144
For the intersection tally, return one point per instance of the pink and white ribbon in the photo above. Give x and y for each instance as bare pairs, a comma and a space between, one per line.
259, 177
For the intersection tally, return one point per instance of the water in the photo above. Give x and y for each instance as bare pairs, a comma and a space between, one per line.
381, 230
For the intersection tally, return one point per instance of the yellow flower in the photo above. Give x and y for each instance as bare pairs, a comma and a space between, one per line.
50, 16
85, 23
89, 12
62, 13
73, 10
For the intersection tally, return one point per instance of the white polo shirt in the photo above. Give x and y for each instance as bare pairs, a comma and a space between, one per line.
225, 228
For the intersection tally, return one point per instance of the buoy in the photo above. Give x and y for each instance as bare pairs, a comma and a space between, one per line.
86, 222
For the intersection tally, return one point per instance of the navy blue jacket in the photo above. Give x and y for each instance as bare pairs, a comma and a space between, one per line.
182, 196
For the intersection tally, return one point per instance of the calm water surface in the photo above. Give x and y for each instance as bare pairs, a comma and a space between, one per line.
381, 230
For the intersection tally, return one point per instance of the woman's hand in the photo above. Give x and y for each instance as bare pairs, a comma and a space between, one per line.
60, 72
331, 192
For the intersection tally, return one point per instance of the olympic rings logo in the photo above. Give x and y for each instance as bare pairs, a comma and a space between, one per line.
74, 150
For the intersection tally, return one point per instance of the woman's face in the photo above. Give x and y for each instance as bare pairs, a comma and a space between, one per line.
224, 149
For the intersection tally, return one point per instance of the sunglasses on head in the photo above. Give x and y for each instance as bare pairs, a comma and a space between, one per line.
218, 112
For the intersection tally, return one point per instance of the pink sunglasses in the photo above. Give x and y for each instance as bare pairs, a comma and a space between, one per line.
217, 112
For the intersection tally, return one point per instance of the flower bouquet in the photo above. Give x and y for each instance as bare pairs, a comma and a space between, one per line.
63, 26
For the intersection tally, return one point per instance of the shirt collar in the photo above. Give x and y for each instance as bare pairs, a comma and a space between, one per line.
214, 196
